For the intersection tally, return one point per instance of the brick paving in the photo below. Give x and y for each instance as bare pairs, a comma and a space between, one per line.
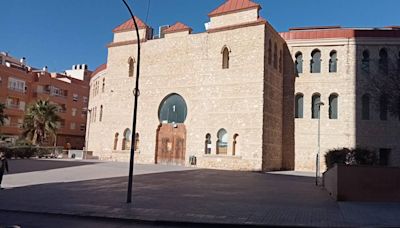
201, 196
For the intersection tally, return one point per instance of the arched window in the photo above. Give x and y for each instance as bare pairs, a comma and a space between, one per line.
137, 142
225, 58
172, 109
275, 56
299, 103
383, 107
101, 113
104, 84
235, 136
333, 62
365, 107
315, 63
333, 106
131, 64
299, 63
222, 142
315, 106
383, 61
115, 141
126, 141
280, 61
365, 62
207, 142
269, 52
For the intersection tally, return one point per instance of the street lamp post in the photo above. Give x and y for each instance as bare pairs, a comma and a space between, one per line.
136, 93
317, 172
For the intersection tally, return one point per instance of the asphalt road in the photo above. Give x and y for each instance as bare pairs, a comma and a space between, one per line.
33, 165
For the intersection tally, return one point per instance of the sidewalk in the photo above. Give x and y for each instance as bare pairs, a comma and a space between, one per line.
201, 196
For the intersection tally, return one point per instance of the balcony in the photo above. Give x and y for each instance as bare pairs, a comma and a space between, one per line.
15, 89
15, 106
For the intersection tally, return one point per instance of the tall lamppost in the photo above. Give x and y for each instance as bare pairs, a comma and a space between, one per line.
136, 93
317, 173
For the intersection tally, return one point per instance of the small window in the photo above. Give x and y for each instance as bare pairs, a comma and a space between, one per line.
280, 61
299, 63
131, 63
383, 107
365, 107
365, 62
104, 84
275, 56
207, 144
235, 139
73, 126
74, 111
269, 52
85, 100
115, 141
316, 106
126, 141
383, 62
333, 62
75, 97
299, 102
83, 127
315, 63
101, 113
225, 58
222, 142
333, 106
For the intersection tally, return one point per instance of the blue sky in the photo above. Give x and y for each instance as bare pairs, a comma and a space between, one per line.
61, 33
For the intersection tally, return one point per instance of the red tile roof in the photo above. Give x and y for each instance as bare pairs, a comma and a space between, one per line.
99, 69
178, 27
231, 6
339, 33
129, 25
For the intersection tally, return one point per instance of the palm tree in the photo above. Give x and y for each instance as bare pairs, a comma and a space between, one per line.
3, 116
41, 121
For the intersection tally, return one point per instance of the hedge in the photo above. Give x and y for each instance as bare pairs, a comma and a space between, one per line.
29, 151
346, 156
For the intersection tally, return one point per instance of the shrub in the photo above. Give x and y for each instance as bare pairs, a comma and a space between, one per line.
346, 156
336, 156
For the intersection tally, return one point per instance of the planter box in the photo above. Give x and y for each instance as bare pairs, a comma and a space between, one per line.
363, 183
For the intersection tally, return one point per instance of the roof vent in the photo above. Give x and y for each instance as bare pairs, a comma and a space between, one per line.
23, 60
45, 68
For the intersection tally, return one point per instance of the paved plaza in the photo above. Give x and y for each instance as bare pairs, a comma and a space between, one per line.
181, 196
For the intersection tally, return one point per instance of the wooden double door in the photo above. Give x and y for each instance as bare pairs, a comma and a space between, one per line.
171, 144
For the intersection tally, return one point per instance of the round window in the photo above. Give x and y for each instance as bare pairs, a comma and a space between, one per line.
172, 109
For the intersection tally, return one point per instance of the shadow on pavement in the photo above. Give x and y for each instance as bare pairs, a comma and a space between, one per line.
33, 165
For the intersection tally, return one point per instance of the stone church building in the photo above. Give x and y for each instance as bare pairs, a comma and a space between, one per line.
237, 95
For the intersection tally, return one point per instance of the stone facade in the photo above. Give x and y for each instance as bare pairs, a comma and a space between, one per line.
245, 100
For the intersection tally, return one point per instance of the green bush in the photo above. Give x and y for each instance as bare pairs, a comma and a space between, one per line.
336, 156
346, 156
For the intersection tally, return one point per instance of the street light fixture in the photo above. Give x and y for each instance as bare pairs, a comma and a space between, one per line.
136, 93
317, 172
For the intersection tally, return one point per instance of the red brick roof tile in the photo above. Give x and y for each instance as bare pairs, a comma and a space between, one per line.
129, 25
232, 6
99, 69
178, 27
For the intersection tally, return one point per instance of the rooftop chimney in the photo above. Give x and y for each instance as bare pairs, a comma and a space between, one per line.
22, 61
45, 69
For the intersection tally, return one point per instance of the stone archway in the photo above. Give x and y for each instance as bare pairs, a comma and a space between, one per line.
171, 132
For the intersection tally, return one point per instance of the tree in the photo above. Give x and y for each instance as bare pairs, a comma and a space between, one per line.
3, 116
384, 80
41, 122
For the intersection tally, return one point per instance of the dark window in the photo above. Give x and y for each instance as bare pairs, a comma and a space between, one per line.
115, 141
365, 62
222, 142
131, 63
333, 106
225, 58
275, 56
101, 113
207, 146
384, 156
315, 63
365, 107
383, 61
315, 106
333, 62
235, 137
269, 52
383, 107
299, 63
299, 102
173, 109
104, 84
